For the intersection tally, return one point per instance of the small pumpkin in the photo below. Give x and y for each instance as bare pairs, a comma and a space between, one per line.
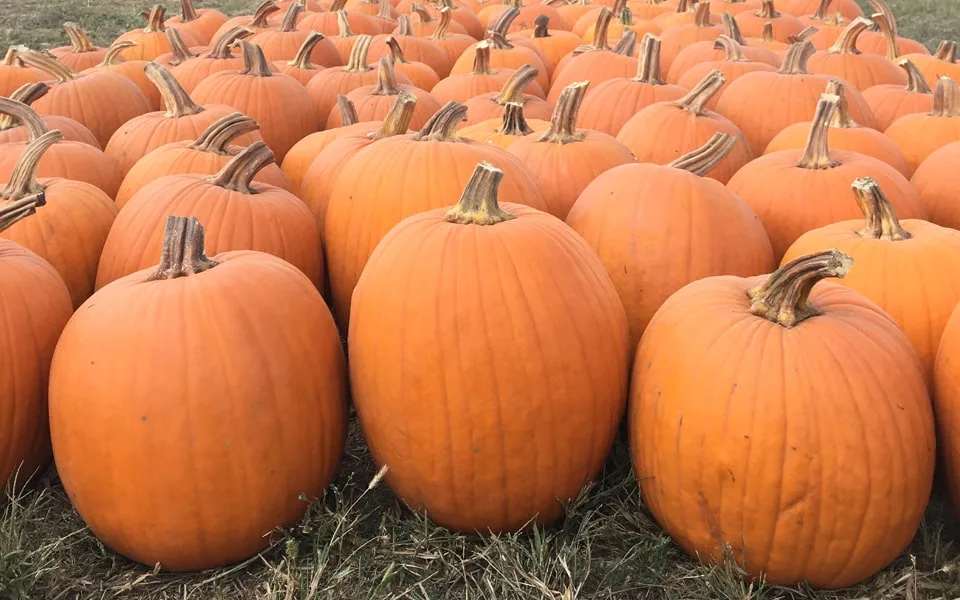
708, 51
14, 73
373, 102
504, 131
131, 70
82, 53
285, 42
553, 44
483, 79
890, 102
862, 70
151, 40
492, 104
733, 67
783, 25
504, 54
300, 66
676, 39
220, 57
920, 134
303, 153
201, 24
12, 130
420, 74
597, 63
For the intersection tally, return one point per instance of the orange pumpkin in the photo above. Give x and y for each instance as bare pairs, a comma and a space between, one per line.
697, 480
849, 9
359, 214
452, 44
890, 102
664, 131
943, 63
36, 308
300, 66
685, 14
72, 226
131, 70
493, 104
783, 24
460, 13
281, 106
648, 9
483, 79
862, 70
795, 191
937, 184
733, 67
503, 132
526, 15
345, 38
14, 73
676, 39
382, 11
151, 40
303, 153
887, 42
734, 7
946, 399
200, 24
373, 102
82, 53
12, 130
591, 350
240, 214
598, 63
414, 48
286, 41
220, 57
623, 20
708, 51
206, 155
327, 22
830, 25
420, 74
504, 54
920, 134
553, 44
257, 22
845, 134
179, 52
262, 485
425, 24
690, 227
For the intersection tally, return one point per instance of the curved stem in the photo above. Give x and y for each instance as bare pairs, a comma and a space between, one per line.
397, 121
48, 64
114, 55
795, 62
175, 98
348, 112
731, 28
731, 48
823, 11
26, 95
804, 34
816, 154
181, 53
78, 38
478, 204
842, 119
23, 181
254, 62
182, 252
238, 174
446, 15
706, 158
21, 209
784, 297
223, 46
881, 7
512, 89
289, 22
422, 12
386, 79
540, 27
502, 25
396, 52
262, 14
442, 126
648, 65
357, 62
946, 98
916, 82
155, 19
627, 45
946, 51
602, 29
881, 219
216, 138
337, 5
302, 58
187, 11
563, 121
12, 58
698, 97
702, 16
893, 51
847, 42
514, 123
17, 112
768, 10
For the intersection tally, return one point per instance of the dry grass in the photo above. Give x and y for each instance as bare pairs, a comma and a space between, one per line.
359, 543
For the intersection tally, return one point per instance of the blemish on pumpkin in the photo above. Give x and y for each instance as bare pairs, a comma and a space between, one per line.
732, 478
143, 418
227, 443
476, 450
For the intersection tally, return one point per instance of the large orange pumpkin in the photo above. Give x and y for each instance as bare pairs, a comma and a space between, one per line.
504, 54
493, 104
36, 307
794, 191
303, 153
14, 73
862, 70
241, 214
200, 361
939, 188
131, 70
151, 40
943, 63
733, 67
12, 130
201, 24
373, 102
801, 372
506, 130
82, 53
890, 102
220, 57
405, 304
483, 79
920, 134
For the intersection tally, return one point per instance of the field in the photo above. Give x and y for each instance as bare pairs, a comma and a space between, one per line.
360, 543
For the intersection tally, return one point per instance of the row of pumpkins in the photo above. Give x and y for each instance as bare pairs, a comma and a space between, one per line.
499, 252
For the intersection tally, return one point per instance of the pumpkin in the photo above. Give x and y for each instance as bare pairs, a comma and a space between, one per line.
82, 53
131, 70
12, 130
345, 38
564, 159
285, 42
327, 22
420, 74
257, 22
36, 308
849, 9
943, 63
734, 7
206, 155
945, 400
830, 25
504, 54
383, 13
664, 131
708, 51
483, 79
70, 230
597, 64
503, 132
828, 365
219, 58
492, 105
300, 66
920, 134
888, 41
397, 311
151, 40
794, 191
766, 40
240, 214
425, 24
101, 101
526, 15
783, 24
373, 102
845, 134
764, 104
675, 39
649, 9
553, 44
359, 214
890, 102
452, 44
622, 21
685, 14
278, 102
419, 49
179, 52
657, 228
572, 10
14, 73
862, 70
733, 67
262, 484
462, 14
615, 101
936, 182
199, 24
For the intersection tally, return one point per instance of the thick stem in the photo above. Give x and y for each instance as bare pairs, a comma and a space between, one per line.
767, 34
357, 62
881, 7
337, 5
804, 34
698, 97
702, 16
881, 219
114, 55
404, 27
731, 29
946, 99
261, 16
706, 158
443, 25
648, 65
627, 46
823, 11
182, 252
478, 204
768, 10
48, 64
847, 42
12, 58
348, 112
238, 174
15, 211
481, 59
175, 98
155, 19
731, 48
784, 297
916, 82
386, 79
17, 112
26, 95
512, 90
602, 29
442, 126
178, 49
816, 154
343, 25
302, 58
842, 119
540, 27
514, 123
625, 17
188, 12
563, 121
946, 51
217, 137
397, 121
396, 52
78, 38
254, 62
893, 51
795, 62
289, 22
422, 12
501, 26
223, 46
23, 181
386, 13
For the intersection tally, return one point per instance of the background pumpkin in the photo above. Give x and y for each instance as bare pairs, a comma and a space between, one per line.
219, 58
862, 70
420, 74
15, 73
890, 102
300, 66
491, 105
506, 130
936, 182
920, 134
151, 40
131, 70
373, 102
82, 53
303, 153
12, 130
733, 67
201, 24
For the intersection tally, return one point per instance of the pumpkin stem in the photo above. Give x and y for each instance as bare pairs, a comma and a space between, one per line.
289, 22
263, 12
421, 12
512, 90
48, 64
188, 12
795, 62
501, 27
946, 99
358, 55
540, 27
385, 13
881, 219
816, 154
404, 27
706, 158
823, 11
698, 97
223, 47
478, 204
767, 34
182, 252
175, 98
386, 79
842, 119
730, 47
238, 174
78, 38
23, 181
155, 19
602, 29
481, 59
563, 121
178, 49
302, 58
114, 55
29, 93
15, 211
343, 25
442, 126
804, 34
627, 45
617, 7
397, 121
648, 67
347, 110
337, 5
514, 123
768, 10
443, 24
784, 297
625, 17
25, 95
946, 51
731, 28
254, 62
18, 112
847, 42
881, 7
916, 82
893, 51
396, 52
12, 58
217, 137
702, 17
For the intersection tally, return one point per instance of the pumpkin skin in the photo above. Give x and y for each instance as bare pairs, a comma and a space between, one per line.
82, 53
735, 66
946, 399
849, 9
503, 132
943, 63
676, 212
359, 215
373, 102
862, 70
920, 134
240, 215
210, 503
795, 191
676, 39
14, 73
783, 24
936, 182
131, 70
151, 40
202, 24
890, 102
405, 279
483, 79
11, 130
553, 44
220, 57
869, 380
493, 105
36, 308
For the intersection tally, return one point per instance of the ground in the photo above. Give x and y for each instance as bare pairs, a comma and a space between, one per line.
359, 543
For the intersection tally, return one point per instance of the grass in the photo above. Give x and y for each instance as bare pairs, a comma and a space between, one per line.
360, 543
